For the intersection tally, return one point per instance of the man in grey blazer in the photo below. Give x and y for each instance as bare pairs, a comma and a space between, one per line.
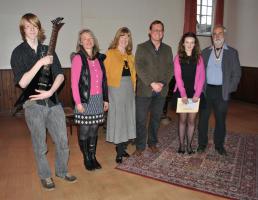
154, 67
223, 74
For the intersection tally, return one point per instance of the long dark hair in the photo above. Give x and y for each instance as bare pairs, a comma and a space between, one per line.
196, 50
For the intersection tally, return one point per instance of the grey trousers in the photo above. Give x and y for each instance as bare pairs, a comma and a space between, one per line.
39, 118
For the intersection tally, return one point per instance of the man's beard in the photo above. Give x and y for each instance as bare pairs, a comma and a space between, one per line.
218, 43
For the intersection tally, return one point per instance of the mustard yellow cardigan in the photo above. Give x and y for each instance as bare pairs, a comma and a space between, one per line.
114, 63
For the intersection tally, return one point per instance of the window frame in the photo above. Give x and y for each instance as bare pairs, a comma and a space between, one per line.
200, 15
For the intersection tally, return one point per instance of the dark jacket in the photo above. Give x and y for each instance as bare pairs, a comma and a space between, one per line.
84, 82
153, 66
231, 69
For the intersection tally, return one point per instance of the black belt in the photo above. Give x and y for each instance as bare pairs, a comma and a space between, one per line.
214, 86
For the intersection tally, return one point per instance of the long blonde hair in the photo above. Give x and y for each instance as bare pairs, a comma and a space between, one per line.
121, 32
34, 20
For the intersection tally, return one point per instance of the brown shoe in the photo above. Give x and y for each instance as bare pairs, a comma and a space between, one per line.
138, 152
154, 149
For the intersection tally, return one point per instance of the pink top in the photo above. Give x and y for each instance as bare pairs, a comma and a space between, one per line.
199, 77
95, 77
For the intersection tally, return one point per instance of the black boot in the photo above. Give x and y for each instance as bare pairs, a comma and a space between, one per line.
84, 147
119, 153
92, 149
125, 154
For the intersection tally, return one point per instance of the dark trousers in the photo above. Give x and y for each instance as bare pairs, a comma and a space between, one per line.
219, 106
144, 105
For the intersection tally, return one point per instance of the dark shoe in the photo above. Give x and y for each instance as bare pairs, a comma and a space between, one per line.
48, 184
96, 163
119, 159
69, 178
181, 150
190, 151
120, 150
125, 154
138, 152
154, 149
88, 164
201, 148
221, 151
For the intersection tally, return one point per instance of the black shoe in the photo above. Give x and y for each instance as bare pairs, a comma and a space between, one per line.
181, 150
221, 151
201, 148
48, 184
119, 159
190, 151
95, 163
125, 154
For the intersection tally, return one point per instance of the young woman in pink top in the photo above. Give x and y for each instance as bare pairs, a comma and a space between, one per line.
190, 75
89, 88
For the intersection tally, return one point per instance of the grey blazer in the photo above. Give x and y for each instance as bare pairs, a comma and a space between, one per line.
153, 67
231, 69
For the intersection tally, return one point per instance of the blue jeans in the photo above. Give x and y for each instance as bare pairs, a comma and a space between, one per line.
154, 105
39, 118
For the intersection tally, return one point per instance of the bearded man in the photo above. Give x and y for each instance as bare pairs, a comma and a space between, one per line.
223, 74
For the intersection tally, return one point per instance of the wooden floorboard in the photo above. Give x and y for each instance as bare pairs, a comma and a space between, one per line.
19, 178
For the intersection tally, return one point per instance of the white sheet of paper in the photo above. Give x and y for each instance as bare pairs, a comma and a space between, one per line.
191, 107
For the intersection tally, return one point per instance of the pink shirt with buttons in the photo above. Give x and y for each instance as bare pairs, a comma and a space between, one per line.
95, 76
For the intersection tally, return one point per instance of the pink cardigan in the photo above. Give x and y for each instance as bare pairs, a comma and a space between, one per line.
95, 73
199, 78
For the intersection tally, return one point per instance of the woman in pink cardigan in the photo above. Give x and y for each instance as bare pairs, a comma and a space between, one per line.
190, 76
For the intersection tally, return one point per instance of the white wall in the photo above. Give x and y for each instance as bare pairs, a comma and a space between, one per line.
240, 19
105, 17
11, 12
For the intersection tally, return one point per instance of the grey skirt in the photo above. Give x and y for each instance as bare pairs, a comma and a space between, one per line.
93, 113
121, 125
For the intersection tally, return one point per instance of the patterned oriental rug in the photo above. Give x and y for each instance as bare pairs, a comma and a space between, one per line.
233, 176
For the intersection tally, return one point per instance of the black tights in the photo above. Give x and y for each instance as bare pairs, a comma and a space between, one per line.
186, 121
86, 131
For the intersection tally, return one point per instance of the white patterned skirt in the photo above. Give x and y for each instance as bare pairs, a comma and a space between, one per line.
93, 114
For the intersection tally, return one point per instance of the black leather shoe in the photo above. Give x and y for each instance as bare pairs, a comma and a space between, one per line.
201, 148
190, 151
180, 150
125, 154
119, 159
221, 151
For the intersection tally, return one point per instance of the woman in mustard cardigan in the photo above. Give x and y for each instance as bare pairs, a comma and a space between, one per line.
121, 78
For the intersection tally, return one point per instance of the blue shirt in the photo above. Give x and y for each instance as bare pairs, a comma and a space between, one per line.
214, 73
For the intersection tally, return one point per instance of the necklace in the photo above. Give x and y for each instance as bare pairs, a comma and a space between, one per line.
217, 52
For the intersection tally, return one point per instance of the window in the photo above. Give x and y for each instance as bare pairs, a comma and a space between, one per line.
204, 17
